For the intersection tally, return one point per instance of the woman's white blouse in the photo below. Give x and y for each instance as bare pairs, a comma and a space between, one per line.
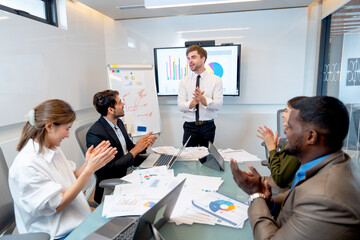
37, 182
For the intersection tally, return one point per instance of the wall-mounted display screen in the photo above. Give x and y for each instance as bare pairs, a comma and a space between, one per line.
171, 66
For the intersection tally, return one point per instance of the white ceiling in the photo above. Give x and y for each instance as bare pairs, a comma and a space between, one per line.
111, 9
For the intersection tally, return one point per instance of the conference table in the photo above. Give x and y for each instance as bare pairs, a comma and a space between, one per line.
171, 231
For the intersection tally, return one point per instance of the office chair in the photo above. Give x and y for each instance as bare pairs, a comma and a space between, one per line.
108, 184
352, 140
7, 215
27, 236
80, 136
280, 129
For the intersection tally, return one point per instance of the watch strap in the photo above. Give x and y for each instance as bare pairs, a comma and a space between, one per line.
254, 196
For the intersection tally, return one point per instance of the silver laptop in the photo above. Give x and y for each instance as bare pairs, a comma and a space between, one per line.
139, 228
155, 159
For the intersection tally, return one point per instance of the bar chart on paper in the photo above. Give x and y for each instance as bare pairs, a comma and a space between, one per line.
127, 205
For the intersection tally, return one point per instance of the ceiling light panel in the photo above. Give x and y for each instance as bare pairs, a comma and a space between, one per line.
150, 4
131, 7
214, 30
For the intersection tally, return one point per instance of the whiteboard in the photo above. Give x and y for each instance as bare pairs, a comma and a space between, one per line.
136, 86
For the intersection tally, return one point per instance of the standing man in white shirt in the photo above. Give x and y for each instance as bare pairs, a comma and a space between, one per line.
200, 96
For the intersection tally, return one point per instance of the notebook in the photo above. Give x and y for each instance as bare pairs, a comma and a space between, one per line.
138, 228
155, 159
213, 160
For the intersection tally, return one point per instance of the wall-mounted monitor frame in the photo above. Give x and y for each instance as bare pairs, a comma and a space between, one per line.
171, 66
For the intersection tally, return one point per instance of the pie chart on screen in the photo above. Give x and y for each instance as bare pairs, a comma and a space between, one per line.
215, 68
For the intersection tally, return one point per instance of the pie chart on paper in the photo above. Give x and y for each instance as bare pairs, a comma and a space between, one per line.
215, 68
149, 204
221, 205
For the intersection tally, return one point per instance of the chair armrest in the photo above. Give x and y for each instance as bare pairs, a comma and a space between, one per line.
7, 220
93, 204
265, 163
112, 182
140, 158
27, 236
282, 142
266, 153
109, 185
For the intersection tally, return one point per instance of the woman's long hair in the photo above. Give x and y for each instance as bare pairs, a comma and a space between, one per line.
51, 111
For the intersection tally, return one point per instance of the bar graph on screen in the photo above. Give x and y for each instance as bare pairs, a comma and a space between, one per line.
176, 68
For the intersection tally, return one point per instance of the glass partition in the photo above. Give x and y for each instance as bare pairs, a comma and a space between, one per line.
339, 68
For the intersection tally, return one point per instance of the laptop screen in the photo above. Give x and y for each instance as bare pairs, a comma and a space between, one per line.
183, 147
158, 215
213, 160
179, 153
214, 152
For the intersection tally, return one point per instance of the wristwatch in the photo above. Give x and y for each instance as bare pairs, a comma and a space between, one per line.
254, 196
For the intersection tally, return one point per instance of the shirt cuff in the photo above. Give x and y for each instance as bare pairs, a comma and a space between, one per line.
208, 101
191, 109
47, 200
72, 165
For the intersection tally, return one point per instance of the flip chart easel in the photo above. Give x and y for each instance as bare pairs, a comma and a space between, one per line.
136, 86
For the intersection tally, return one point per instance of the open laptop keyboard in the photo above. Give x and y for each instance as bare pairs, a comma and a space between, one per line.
128, 233
163, 160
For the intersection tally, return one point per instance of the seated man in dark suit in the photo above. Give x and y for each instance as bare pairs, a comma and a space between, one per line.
323, 202
110, 127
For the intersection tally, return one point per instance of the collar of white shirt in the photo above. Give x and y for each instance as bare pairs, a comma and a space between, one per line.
48, 154
203, 74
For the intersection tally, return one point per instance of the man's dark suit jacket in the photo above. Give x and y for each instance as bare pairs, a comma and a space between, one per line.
116, 168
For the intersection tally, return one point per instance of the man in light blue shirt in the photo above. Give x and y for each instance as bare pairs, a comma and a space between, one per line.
323, 202
300, 174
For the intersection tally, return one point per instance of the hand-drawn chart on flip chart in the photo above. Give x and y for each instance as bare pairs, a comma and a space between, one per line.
136, 86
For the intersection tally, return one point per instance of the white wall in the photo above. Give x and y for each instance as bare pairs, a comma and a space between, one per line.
272, 65
273, 56
273, 46
39, 61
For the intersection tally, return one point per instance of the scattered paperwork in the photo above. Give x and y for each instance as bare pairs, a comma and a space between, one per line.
189, 153
203, 187
224, 208
147, 176
169, 150
147, 186
194, 153
239, 155
116, 206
